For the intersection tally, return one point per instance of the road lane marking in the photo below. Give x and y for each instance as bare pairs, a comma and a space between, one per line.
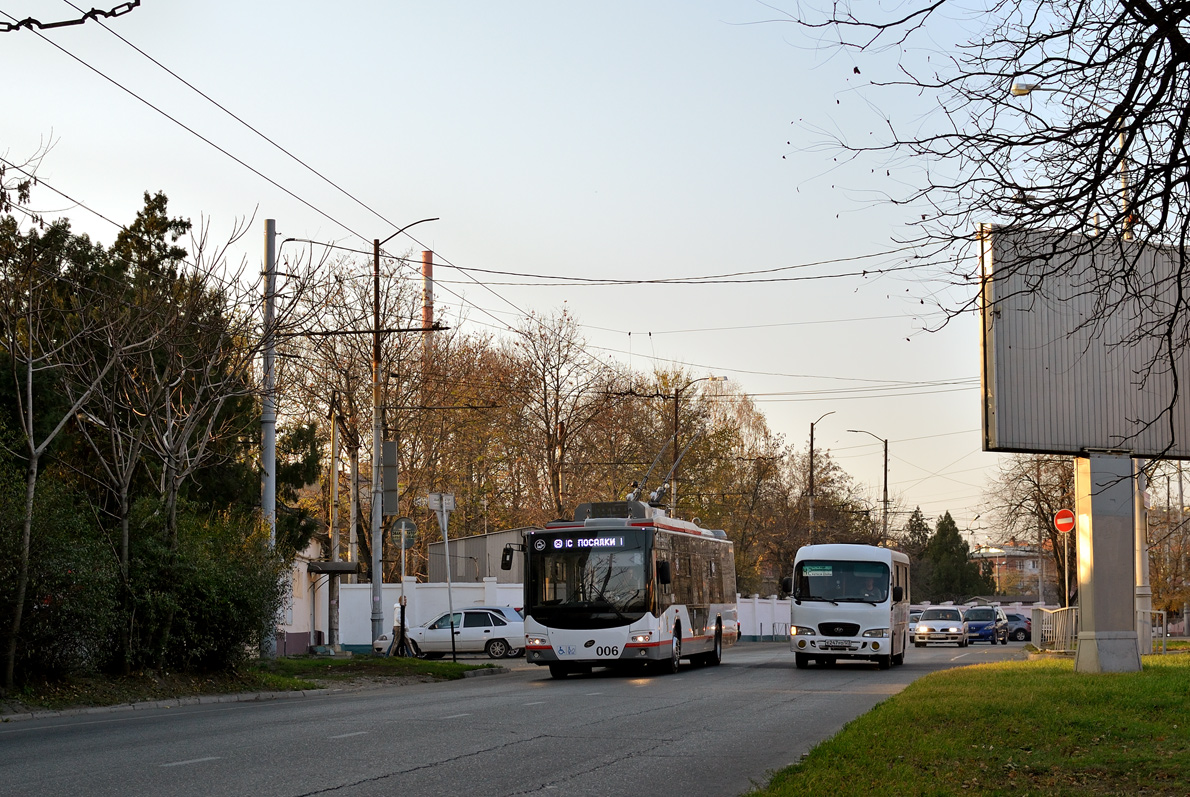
346, 735
191, 761
536, 703
456, 716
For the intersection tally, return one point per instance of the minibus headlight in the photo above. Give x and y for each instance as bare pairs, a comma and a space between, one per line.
801, 630
881, 633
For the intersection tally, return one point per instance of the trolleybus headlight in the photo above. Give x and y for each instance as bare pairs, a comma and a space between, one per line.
877, 632
536, 641
801, 630
641, 636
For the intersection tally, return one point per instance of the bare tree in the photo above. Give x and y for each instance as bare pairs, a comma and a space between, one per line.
563, 389
198, 385
1024, 497
56, 333
1169, 541
1097, 154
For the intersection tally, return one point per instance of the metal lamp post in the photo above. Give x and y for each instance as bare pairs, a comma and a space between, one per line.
884, 533
820, 417
377, 434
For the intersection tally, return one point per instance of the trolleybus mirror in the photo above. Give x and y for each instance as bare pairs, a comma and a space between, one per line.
506, 559
663, 572
787, 585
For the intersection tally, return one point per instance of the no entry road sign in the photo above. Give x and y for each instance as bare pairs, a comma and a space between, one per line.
1064, 521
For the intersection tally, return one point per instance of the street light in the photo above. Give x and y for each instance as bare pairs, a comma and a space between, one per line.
377, 433
673, 474
884, 440
1025, 89
832, 412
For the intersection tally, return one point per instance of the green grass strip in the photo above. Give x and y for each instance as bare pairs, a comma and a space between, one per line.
1032, 727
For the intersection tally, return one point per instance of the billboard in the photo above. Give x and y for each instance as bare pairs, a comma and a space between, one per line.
1081, 345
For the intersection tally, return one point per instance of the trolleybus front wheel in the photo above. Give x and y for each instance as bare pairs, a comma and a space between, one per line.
675, 653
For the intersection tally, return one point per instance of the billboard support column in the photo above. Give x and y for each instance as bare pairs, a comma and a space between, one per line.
1144, 591
1104, 499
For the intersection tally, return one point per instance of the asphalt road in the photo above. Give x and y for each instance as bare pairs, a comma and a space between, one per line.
711, 731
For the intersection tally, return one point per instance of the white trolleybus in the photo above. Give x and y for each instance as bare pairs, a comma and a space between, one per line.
849, 602
624, 585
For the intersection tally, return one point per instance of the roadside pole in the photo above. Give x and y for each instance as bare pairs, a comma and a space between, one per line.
268, 414
443, 504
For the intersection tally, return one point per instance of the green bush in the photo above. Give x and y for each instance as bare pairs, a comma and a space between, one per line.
207, 603
70, 603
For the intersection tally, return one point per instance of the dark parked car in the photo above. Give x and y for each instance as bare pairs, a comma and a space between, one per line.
1020, 626
986, 624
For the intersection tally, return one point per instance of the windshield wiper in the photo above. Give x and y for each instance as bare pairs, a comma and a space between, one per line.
816, 598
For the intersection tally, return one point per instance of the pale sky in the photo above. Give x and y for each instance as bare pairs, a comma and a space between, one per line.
619, 140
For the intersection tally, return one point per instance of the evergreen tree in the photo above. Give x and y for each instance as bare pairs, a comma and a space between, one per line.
953, 576
914, 539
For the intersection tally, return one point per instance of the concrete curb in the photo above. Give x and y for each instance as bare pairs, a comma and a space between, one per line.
239, 697
486, 671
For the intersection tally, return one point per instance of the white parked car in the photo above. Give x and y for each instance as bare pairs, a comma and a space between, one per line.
498, 631
941, 625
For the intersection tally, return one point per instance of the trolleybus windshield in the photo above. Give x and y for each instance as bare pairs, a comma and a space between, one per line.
583, 578
840, 581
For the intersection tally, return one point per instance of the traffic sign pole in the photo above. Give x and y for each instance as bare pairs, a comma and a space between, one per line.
1064, 522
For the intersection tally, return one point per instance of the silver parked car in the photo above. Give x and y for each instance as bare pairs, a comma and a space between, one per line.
1020, 626
498, 631
941, 625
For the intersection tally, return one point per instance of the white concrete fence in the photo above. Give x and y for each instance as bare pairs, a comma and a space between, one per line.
761, 619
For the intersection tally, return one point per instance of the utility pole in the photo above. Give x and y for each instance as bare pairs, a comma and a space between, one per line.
884, 440
332, 630
268, 415
377, 429
1040, 530
884, 535
377, 433
832, 412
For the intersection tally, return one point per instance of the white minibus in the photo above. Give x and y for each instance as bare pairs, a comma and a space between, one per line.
849, 602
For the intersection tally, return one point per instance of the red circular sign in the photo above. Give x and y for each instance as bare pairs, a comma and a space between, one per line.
1064, 521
